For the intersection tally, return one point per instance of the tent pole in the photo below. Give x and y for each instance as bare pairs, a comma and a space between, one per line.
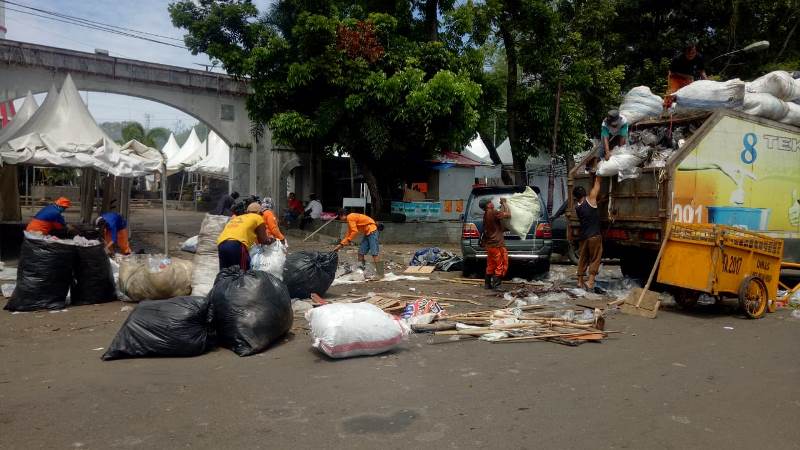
27, 187
164, 206
180, 192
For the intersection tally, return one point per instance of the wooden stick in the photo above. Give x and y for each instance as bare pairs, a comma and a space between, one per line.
447, 299
655, 265
544, 336
317, 230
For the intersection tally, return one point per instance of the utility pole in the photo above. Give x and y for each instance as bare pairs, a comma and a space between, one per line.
551, 177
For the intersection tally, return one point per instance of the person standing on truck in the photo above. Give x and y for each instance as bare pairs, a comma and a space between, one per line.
115, 232
492, 239
241, 232
686, 68
591, 240
362, 223
50, 218
613, 133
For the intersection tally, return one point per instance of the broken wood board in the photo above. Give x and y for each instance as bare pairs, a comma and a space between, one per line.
420, 269
648, 307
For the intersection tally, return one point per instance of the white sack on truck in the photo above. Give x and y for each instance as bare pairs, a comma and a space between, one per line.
779, 84
640, 103
707, 95
206, 258
793, 116
623, 160
525, 209
765, 105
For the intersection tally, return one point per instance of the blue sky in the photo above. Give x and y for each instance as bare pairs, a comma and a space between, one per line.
144, 15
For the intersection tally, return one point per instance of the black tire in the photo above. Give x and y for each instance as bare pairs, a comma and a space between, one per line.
753, 297
468, 268
686, 298
542, 267
573, 252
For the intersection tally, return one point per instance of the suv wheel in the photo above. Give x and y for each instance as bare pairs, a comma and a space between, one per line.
468, 268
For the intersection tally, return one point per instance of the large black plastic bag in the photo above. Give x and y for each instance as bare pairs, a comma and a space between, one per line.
307, 273
251, 310
94, 279
179, 326
44, 275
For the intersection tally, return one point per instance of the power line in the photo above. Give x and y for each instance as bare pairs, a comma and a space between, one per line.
88, 21
93, 27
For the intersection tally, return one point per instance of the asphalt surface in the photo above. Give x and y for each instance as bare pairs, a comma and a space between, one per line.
706, 379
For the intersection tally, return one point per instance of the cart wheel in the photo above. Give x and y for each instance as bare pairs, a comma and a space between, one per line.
686, 298
753, 297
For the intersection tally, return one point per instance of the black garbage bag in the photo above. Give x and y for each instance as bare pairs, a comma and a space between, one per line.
179, 326
251, 310
44, 275
307, 273
94, 279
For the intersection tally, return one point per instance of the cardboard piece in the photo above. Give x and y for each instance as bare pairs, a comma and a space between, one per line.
420, 269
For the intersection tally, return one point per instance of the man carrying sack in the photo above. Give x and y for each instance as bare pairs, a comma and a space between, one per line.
591, 247
494, 242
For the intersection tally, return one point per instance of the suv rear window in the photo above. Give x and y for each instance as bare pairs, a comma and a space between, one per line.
476, 213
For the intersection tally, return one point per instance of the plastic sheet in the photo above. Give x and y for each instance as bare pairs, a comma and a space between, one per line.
251, 310
307, 273
190, 245
269, 258
178, 326
44, 275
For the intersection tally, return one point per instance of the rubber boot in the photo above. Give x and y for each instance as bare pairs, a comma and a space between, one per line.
496, 282
487, 282
379, 270
362, 265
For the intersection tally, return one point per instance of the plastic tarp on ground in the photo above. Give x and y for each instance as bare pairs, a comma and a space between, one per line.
191, 152
216, 163
25, 112
62, 133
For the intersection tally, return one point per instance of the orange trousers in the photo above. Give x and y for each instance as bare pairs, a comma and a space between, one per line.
496, 261
122, 241
674, 83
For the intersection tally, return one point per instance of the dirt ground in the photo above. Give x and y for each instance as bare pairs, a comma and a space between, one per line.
705, 379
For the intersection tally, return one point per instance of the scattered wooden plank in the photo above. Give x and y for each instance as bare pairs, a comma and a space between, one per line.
420, 269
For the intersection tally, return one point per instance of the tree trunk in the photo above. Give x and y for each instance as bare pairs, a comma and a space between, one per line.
511, 94
432, 20
374, 190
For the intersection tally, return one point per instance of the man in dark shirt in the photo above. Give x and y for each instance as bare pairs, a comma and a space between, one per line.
591, 240
685, 68
492, 239
225, 204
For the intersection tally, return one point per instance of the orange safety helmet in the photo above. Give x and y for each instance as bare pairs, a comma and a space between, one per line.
63, 202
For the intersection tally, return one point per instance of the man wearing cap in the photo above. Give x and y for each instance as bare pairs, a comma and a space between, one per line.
50, 218
686, 68
492, 239
613, 133
241, 232
362, 223
115, 231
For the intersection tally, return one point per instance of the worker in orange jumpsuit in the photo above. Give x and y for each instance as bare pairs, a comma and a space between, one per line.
115, 232
492, 239
686, 68
50, 218
271, 221
363, 224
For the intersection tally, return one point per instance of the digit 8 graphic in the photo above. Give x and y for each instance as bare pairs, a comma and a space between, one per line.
749, 153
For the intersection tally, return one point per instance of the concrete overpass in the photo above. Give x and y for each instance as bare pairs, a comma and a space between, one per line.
218, 100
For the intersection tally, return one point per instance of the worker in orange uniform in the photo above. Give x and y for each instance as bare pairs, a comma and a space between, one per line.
686, 68
241, 232
115, 232
50, 218
271, 221
494, 242
361, 223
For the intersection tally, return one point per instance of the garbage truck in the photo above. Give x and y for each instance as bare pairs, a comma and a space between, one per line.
723, 167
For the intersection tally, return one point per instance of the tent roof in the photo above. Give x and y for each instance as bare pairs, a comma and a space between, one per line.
504, 152
477, 150
191, 152
171, 148
458, 160
62, 133
25, 112
218, 158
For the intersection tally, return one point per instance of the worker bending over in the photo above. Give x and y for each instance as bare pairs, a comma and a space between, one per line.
50, 218
613, 133
241, 232
115, 232
591, 240
492, 239
271, 221
361, 223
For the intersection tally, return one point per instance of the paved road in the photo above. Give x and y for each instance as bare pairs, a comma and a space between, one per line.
679, 381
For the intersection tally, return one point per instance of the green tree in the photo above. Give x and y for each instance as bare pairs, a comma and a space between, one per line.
155, 137
369, 78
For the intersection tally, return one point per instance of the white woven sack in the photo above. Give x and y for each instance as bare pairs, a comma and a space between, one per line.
765, 105
206, 258
640, 103
793, 116
343, 330
268, 258
779, 84
708, 94
525, 209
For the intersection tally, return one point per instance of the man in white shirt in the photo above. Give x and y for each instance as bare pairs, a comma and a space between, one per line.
313, 210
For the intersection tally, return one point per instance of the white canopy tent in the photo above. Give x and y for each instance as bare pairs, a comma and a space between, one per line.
171, 148
191, 152
25, 112
216, 163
